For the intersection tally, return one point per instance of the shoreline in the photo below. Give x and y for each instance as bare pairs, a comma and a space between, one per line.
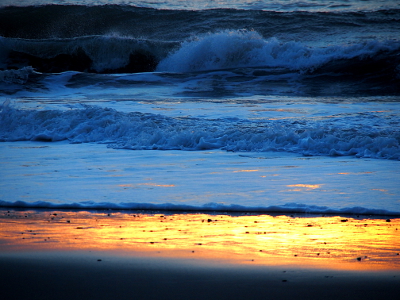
196, 210
166, 211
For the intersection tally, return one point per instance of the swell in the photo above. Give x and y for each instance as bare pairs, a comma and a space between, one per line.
58, 21
98, 54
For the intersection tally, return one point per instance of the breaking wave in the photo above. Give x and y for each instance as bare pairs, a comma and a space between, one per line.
242, 48
371, 64
139, 131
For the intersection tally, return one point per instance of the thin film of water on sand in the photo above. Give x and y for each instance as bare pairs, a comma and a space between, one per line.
330, 241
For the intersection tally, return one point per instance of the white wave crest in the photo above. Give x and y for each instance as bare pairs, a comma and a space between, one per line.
242, 48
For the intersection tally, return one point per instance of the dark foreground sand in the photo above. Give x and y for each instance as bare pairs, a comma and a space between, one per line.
123, 255
59, 275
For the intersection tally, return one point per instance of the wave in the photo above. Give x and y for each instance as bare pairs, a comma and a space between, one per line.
242, 48
139, 131
98, 54
277, 5
68, 21
374, 63
209, 207
128, 39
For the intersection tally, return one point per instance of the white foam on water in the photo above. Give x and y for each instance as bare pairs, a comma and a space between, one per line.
362, 134
242, 48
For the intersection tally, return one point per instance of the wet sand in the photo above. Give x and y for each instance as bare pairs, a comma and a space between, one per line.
126, 255
83, 276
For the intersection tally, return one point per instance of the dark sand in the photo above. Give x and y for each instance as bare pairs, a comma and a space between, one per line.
105, 276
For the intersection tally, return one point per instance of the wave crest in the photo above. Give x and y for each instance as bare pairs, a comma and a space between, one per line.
242, 48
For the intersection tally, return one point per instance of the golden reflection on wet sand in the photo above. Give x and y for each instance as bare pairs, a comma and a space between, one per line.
333, 242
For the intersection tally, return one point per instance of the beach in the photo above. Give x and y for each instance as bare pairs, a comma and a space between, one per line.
82, 276
199, 149
136, 255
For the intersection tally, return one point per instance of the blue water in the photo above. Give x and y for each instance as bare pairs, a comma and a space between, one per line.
307, 84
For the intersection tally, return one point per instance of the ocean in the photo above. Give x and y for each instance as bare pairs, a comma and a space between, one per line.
218, 106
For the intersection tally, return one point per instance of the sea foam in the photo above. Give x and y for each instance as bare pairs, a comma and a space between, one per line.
242, 48
145, 131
